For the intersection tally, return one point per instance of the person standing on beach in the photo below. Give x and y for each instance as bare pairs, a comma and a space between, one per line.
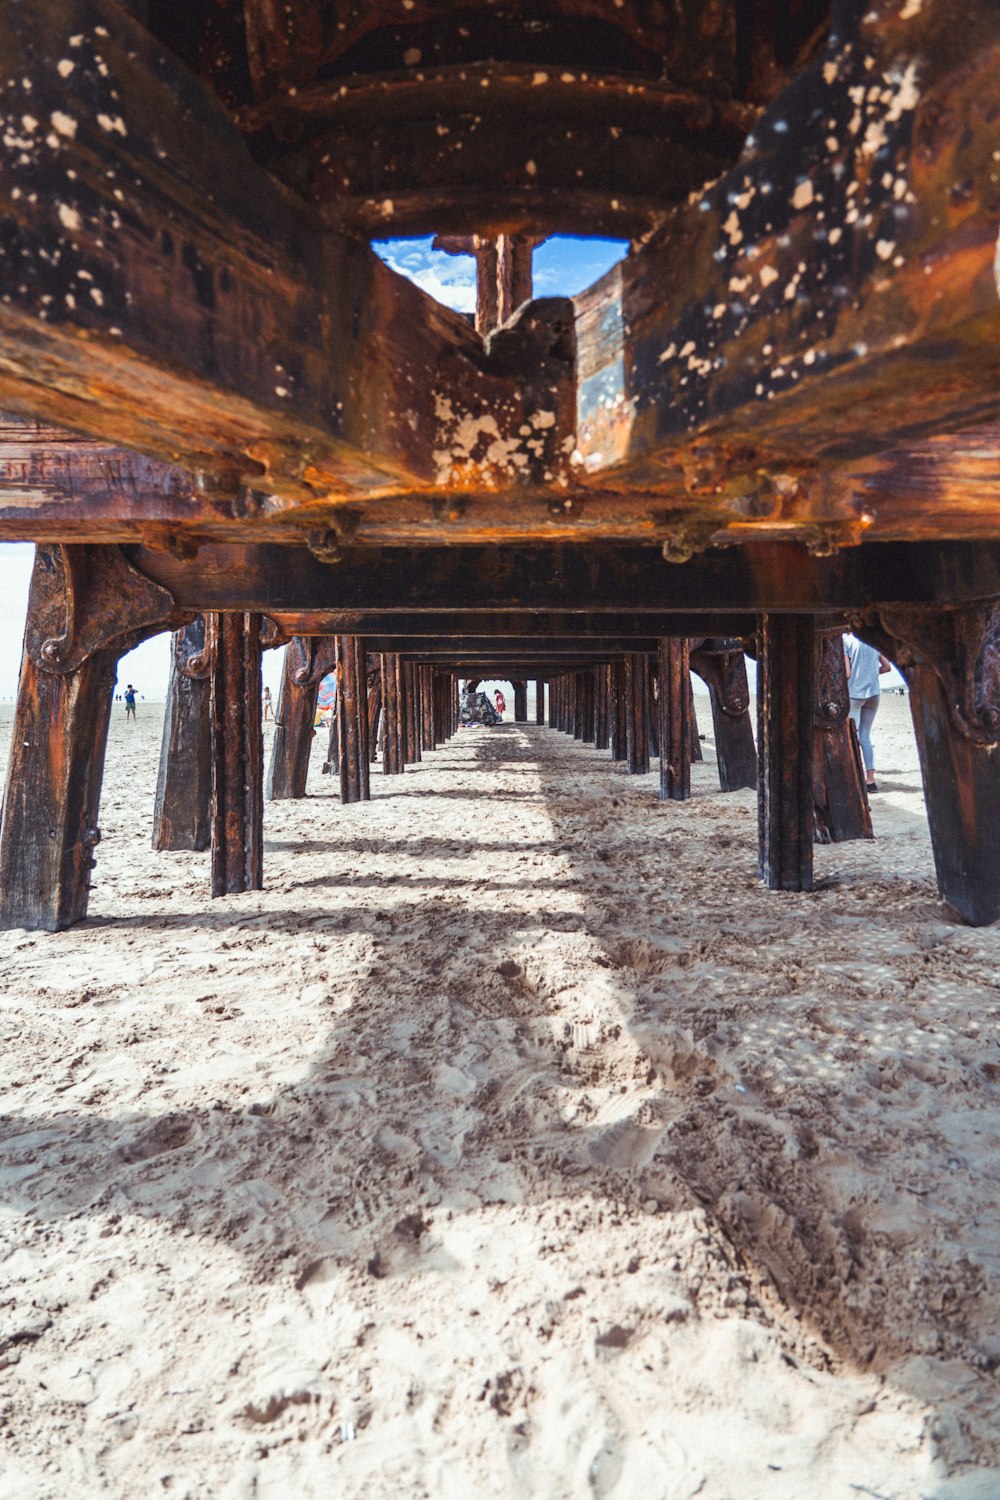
129, 703
865, 666
500, 701
268, 711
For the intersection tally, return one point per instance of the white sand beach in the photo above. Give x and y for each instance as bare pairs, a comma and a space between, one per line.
513, 1142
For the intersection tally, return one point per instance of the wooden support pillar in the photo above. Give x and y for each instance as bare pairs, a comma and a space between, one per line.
674, 722
352, 719
520, 702
619, 712
87, 606
951, 661
555, 684
182, 812
291, 745
785, 699
53, 795
374, 706
653, 709
392, 728
426, 708
602, 731
637, 714
539, 700
721, 664
841, 802
411, 712
697, 753
237, 753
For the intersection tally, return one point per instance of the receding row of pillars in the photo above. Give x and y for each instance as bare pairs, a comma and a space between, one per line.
210, 786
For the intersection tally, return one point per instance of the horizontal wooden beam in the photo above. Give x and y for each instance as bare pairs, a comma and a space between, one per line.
159, 290
499, 625
779, 359
432, 648
758, 576
839, 294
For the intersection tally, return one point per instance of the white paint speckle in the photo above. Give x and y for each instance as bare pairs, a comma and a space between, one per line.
112, 122
63, 123
69, 218
768, 275
64, 67
803, 194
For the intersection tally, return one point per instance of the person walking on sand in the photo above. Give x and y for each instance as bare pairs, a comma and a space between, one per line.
129, 703
500, 701
865, 666
268, 710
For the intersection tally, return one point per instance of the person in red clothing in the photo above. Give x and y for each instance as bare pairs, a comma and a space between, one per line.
500, 701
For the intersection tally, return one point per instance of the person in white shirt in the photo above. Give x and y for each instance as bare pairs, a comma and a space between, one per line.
865, 666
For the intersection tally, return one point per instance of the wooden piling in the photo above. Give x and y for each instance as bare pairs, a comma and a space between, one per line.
237, 753
839, 796
182, 811
674, 721
636, 714
352, 719
785, 698
721, 664
291, 744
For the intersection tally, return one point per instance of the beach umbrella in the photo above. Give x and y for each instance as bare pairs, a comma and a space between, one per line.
327, 691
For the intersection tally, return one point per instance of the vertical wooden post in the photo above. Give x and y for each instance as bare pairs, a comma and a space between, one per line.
636, 715
288, 769
841, 802
50, 808
426, 708
785, 699
182, 812
352, 719
619, 712
539, 700
409, 711
721, 664
601, 731
653, 708
697, 753
520, 702
674, 723
237, 753
392, 731
374, 705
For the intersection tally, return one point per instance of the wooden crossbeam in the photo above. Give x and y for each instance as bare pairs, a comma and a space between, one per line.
755, 577
778, 359
159, 289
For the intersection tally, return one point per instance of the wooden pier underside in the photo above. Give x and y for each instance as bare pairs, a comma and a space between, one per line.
778, 415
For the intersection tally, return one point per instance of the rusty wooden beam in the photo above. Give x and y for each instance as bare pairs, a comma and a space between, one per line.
774, 576
778, 358
291, 366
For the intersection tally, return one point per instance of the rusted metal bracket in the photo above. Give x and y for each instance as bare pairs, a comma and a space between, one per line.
720, 666
833, 701
962, 646
191, 651
311, 658
273, 634
85, 599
